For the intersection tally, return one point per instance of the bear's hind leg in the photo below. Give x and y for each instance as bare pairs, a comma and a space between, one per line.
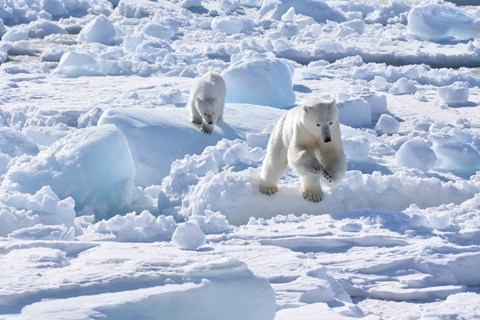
312, 190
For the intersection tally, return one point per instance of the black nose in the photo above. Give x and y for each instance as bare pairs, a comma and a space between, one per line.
327, 140
210, 122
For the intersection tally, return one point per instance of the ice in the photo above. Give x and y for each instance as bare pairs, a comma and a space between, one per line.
380, 83
403, 86
131, 227
318, 10
93, 166
100, 30
2, 28
417, 154
189, 236
142, 129
387, 124
20, 211
183, 288
155, 30
100, 165
75, 64
232, 25
14, 143
456, 93
42, 28
257, 79
427, 21
55, 7
13, 35
457, 157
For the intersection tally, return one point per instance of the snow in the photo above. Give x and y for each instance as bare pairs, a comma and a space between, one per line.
100, 30
71, 167
387, 124
188, 236
114, 205
427, 21
258, 79
456, 93
416, 153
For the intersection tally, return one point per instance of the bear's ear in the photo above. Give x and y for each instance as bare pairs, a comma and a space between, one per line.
199, 99
306, 108
333, 102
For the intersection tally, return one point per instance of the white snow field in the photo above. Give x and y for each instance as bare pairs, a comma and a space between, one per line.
113, 205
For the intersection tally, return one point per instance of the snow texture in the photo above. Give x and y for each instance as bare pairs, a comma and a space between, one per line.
114, 205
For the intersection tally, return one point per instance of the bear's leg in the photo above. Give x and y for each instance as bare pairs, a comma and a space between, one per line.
312, 190
335, 165
273, 168
304, 161
195, 116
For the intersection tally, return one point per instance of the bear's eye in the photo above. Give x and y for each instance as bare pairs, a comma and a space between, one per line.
205, 113
318, 124
331, 123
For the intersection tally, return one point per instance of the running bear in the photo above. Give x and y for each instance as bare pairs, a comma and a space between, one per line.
308, 139
207, 101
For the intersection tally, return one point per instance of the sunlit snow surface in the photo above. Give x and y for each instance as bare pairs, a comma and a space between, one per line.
114, 205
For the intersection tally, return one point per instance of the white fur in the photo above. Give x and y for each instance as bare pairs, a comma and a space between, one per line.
207, 101
301, 139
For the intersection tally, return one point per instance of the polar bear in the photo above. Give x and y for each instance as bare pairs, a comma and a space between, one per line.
308, 139
207, 100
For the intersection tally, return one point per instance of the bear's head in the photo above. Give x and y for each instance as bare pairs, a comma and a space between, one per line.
319, 117
206, 108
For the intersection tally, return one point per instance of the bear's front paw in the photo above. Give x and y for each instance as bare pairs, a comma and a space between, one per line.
313, 195
268, 190
207, 129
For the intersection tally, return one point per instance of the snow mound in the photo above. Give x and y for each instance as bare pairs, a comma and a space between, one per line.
429, 22
257, 79
42, 28
188, 236
456, 93
403, 86
319, 10
73, 64
456, 148
20, 211
387, 124
217, 181
143, 129
93, 166
137, 228
357, 109
100, 30
14, 143
156, 30
416, 153
457, 157
120, 287
232, 25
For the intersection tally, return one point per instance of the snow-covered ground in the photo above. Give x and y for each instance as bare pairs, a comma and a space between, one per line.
114, 205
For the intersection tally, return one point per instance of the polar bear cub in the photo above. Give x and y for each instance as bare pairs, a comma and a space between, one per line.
207, 100
308, 139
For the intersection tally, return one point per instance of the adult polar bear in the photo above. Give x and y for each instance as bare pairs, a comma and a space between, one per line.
207, 100
308, 138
